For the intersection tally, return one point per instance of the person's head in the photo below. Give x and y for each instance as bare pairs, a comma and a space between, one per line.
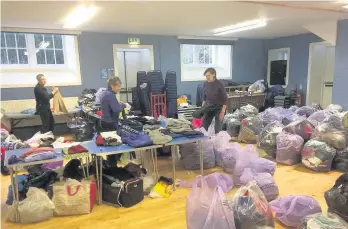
114, 83
210, 74
41, 79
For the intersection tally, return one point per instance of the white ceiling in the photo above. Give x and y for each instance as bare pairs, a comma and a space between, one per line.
195, 18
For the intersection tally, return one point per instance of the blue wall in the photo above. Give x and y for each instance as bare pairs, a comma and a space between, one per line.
340, 92
95, 50
299, 53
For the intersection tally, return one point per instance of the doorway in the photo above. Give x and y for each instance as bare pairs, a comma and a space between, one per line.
320, 73
128, 60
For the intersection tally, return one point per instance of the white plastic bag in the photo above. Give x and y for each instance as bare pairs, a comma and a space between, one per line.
35, 208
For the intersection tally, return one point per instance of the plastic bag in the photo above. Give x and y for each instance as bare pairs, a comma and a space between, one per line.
322, 221
340, 161
319, 116
250, 128
334, 108
318, 156
206, 209
257, 86
197, 123
248, 111
291, 209
221, 141
265, 182
229, 156
301, 127
243, 161
337, 120
213, 180
233, 127
337, 197
262, 165
289, 148
267, 138
251, 209
35, 208
292, 118
293, 108
306, 111
334, 137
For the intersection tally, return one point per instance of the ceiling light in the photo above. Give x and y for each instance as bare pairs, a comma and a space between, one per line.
79, 15
243, 26
346, 6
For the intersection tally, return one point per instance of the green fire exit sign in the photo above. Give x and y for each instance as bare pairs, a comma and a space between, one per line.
133, 41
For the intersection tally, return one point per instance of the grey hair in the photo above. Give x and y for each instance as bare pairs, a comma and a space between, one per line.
39, 76
114, 80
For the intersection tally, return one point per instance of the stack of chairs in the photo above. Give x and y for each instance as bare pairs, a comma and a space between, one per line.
143, 89
171, 93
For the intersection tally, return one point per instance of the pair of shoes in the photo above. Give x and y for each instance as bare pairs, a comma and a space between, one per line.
4, 169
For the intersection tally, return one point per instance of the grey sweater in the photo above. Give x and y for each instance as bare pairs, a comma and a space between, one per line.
215, 93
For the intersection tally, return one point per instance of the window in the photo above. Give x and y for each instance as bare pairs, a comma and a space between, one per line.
24, 55
195, 59
278, 67
14, 48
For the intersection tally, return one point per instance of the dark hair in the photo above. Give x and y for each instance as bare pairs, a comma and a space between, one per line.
113, 80
39, 76
211, 71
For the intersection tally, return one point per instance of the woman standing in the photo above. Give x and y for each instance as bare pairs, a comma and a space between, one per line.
215, 100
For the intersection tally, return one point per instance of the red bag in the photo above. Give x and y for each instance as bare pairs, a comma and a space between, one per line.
197, 123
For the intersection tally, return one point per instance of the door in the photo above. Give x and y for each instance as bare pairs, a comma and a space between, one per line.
328, 76
129, 63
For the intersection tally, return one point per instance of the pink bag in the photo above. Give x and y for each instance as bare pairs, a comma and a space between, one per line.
213, 180
206, 209
221, 142
243, 161
197, 123
262, 165
230, 155
291, 209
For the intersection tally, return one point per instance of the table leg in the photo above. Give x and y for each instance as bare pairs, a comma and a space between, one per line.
153, 163
87, 161
83, 168
201, 156
173, 152
156, 163
101, 180
14, 194
97, 178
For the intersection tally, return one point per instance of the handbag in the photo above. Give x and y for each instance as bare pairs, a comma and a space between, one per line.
127, 194
73, 197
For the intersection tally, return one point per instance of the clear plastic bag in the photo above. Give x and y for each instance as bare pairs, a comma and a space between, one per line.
243, 161
322, 221
301, 127
251, 209
337, 197
319, 116
292, 118
334, 108
289, 148
257, 86
250, 128
233, 127
267, 138
206, 209
248, 111
306, 111
334, 137
35, 208
317, 155
291, 209
340, 161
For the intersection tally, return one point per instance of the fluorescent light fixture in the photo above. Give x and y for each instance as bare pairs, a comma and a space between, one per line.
346, 6
243, 26
79, 15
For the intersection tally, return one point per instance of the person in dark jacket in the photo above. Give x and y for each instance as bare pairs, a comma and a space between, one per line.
215, 98
111, 109
43, 103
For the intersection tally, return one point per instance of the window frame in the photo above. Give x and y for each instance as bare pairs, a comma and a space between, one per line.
271, 53
202, 67
16, 48
194, 65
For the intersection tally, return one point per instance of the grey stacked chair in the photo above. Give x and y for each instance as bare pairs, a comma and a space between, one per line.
143, 89
156, 82
171, 91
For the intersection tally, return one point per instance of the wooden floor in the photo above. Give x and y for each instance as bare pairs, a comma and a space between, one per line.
170, 213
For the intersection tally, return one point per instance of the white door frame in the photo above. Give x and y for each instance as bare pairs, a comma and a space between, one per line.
311, 45
135, 47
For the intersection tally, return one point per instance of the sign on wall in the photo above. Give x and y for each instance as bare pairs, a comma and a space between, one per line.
133, 41
106, 72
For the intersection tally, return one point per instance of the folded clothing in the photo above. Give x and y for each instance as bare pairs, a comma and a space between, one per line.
178, 125
111, 135
134, 124
35, 156
134, 138
192, 134
158, 137
171, 134
35, 150
77, 149
100, 141
151, 127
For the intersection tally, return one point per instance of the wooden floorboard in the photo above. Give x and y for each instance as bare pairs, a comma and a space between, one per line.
169, 213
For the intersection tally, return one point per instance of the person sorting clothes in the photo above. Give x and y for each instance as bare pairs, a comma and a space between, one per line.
111, 109
214, 101
43, 103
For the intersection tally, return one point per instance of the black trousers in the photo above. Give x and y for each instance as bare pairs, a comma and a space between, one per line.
46, 119
209, 114
110, 126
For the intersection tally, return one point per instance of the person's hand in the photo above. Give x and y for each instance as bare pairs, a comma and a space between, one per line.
54, 90
222, 115
121, 102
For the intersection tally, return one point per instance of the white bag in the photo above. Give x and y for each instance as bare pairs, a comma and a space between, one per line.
35, 208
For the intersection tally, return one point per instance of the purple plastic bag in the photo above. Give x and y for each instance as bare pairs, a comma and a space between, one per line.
306, 111
262, 165
206, 209
291, 209
221, 142
319, 116
215, 179
243, 161
52, 165
229, 157
265, 182
301, 127
289, 148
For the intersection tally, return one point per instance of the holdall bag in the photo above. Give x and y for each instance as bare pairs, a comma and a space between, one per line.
73, 197
128, 194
